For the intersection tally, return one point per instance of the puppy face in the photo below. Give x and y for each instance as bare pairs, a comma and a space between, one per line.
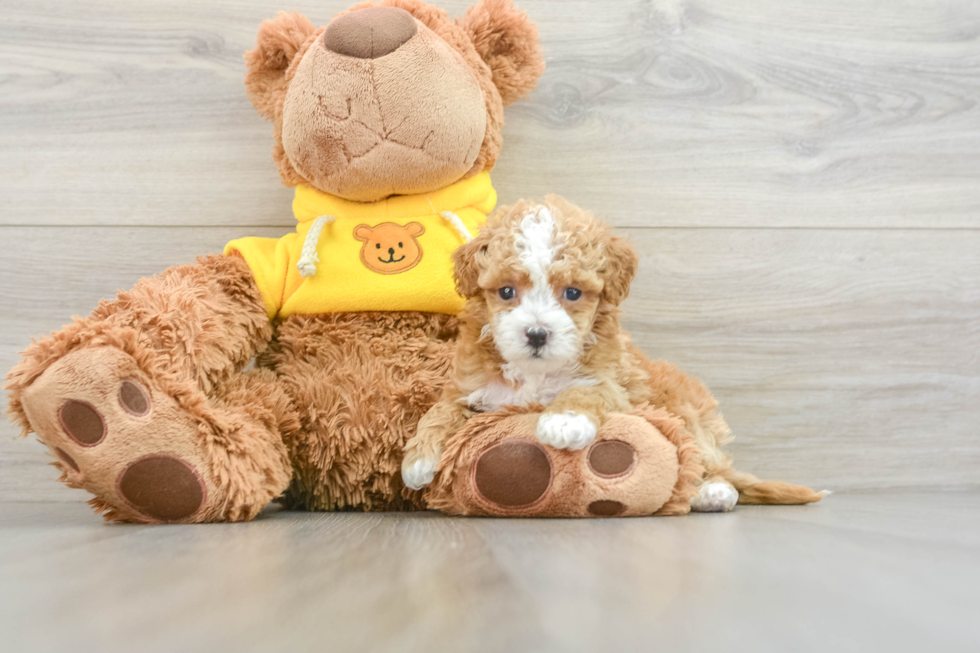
537, 277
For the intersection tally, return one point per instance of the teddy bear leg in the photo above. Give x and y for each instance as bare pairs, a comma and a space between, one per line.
153, 449
364, 380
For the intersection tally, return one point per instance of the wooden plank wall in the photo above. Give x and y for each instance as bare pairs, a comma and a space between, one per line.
802, 178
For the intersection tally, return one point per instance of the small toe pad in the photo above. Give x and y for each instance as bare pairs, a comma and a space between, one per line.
82, 423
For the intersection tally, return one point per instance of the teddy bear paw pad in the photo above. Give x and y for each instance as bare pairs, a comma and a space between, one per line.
606, 508
133, 398
162, 487
513, 473
82, 422
611, 458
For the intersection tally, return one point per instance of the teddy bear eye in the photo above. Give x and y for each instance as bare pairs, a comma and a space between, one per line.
399, 244
507, 293
573, 294
378, 245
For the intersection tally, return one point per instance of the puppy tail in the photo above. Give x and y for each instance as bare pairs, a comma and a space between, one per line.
752, 491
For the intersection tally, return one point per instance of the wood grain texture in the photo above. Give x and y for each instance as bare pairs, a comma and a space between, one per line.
890, 572
842, 359
655, 112
801, 178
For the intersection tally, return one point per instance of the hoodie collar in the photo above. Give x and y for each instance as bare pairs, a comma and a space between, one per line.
476, 192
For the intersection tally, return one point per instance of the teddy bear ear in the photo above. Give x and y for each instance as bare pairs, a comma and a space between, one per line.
279, 40
507, 40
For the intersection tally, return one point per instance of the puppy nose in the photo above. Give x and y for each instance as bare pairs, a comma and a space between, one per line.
369, 33
536, 337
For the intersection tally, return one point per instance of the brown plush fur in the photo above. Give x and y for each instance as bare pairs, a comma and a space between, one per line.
602, 266
364, 380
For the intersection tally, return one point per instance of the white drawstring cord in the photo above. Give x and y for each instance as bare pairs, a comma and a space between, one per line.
308, 257
457, 224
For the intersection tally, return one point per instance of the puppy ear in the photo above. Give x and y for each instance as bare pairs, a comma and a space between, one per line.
621, 264
467, 259
508, 42
279, 40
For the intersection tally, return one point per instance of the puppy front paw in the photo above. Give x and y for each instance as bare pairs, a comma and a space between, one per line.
416, 474
568, 430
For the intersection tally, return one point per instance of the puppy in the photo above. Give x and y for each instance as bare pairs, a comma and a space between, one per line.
543, 284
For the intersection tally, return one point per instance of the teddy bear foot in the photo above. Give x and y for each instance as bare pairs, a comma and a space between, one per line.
518, 474
121, 439
633, 468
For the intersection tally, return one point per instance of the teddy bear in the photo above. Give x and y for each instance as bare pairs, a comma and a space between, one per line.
386, 121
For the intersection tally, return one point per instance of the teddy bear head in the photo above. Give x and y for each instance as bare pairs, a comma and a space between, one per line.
391, 97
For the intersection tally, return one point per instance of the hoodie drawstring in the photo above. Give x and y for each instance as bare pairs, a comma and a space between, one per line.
458, 225
308, 257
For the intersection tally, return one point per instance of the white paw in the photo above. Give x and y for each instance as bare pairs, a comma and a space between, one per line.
568, 430
420, 473
715, 497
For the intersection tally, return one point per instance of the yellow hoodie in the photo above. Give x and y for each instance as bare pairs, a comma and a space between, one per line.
392, 255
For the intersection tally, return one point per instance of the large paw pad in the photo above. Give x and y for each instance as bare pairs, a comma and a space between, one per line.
513, 473
162, 487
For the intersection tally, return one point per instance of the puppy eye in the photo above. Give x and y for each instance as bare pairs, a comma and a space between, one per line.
507, 293
573, 294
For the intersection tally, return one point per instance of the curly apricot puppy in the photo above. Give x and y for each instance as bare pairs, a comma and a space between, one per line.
543, 284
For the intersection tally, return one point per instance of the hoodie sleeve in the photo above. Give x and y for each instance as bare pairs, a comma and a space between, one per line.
268, 259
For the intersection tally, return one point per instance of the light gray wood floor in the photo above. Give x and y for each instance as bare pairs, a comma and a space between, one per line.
883, 572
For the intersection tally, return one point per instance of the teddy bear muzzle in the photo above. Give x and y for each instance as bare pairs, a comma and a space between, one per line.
369, 33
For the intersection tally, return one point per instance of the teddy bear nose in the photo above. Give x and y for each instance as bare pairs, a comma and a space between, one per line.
391, 250
369, 33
